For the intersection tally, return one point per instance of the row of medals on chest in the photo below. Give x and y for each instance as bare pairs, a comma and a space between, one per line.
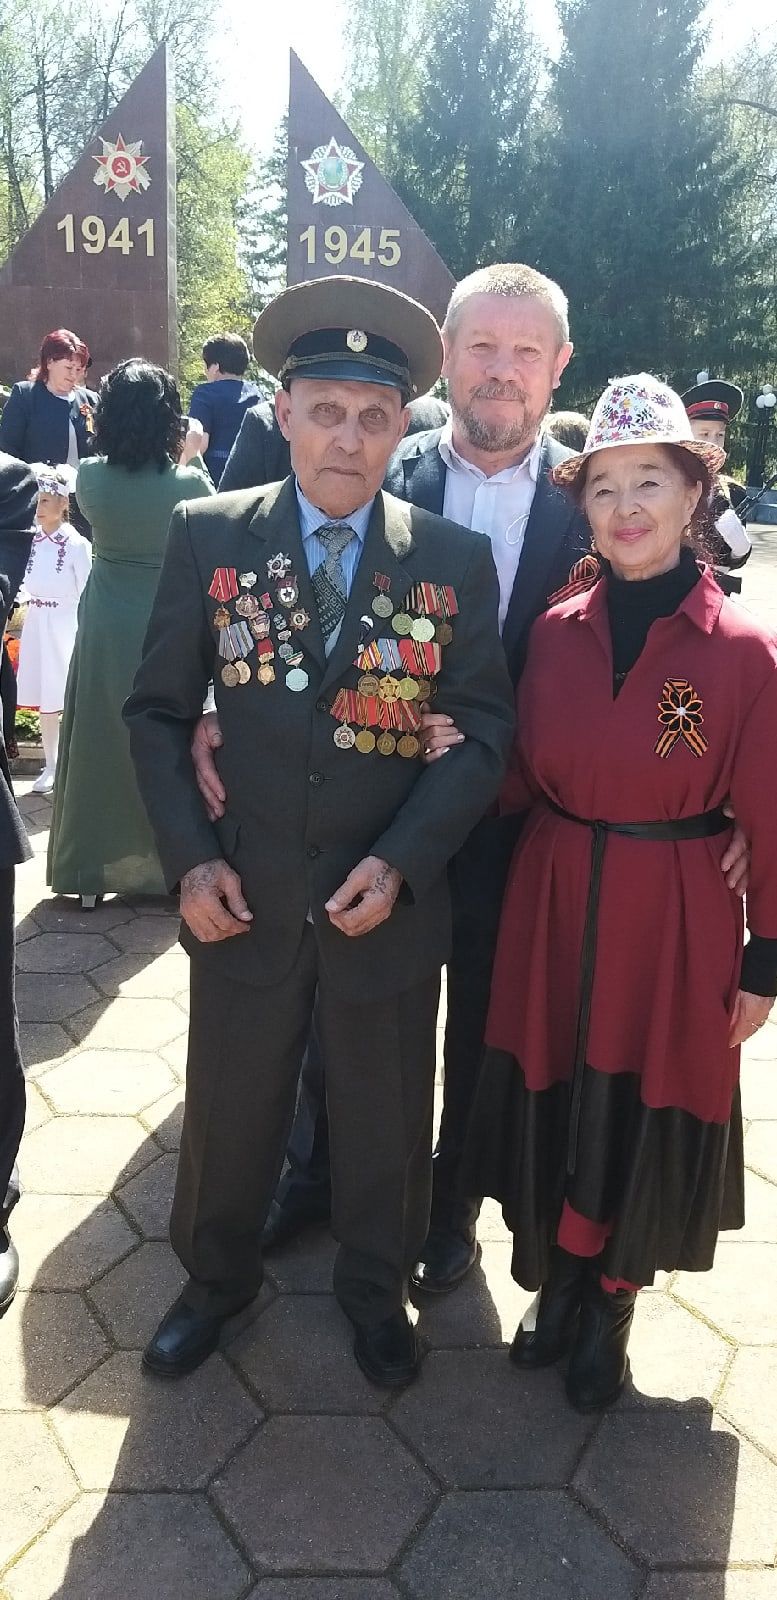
259, 617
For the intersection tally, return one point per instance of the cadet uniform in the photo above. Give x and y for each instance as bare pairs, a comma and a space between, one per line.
727, 544
321, 763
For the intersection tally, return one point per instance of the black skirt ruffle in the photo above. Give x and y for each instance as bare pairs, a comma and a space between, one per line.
667, 1181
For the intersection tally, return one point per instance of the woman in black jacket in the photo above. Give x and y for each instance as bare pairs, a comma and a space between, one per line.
49, 418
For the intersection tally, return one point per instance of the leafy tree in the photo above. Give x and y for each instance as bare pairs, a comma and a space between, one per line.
213, 171
641, 214
385, 49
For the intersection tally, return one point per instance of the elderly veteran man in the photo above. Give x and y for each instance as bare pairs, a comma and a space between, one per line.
325, 612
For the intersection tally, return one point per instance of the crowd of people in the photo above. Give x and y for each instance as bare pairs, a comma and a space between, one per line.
421, 684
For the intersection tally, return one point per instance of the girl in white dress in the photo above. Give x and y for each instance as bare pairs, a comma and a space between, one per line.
59, 565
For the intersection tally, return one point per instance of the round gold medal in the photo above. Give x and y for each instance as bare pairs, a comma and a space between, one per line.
402, 624
387, 744
408, 689
388, 688
344, 737
382, 606
444, 633
365, 741
408, 746
266, 673
243, 672
424, 688
230, 675
368, 684
422, 629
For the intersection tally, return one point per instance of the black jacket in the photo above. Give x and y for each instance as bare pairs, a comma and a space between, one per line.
18, 499
34, 423
302, 812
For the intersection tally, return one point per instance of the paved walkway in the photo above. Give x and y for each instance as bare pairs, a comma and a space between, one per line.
276, 1472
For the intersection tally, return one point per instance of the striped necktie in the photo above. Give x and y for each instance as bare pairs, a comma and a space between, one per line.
328, 580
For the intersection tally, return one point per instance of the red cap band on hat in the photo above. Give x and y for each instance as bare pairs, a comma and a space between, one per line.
711, 409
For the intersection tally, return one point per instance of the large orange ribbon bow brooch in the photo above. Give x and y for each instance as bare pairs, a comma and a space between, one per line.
679, 712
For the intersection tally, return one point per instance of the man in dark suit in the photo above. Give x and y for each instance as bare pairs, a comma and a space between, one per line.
506, 338
324, 611
260, 454
18, 498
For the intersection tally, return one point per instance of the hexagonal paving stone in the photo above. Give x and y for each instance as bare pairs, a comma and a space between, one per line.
108, 1082
133, 1298
324, 1589
681, 1492
122, 1429
147, 1024
760, 1048
148, 1197
165, 1119
759, 1090
28, 928
60, 915
749, 1399
66, 1241
38, 1109
83, 1155
299, 1357
37, 1482
135, 977
761, 1148
505, 1429
760, 1209
489, 1544
175, 1055
131, 1547
485, 1310
50, 997
148, 935
48, 1341
305, 1265
63, 952
712, 1586
43, 1044
738, 1295
328, 1494
673, 1355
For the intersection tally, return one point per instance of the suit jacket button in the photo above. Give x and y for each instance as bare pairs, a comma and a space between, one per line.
322, 705
316, 778
313, 851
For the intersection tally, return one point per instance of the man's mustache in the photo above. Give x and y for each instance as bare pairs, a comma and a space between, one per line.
499, 391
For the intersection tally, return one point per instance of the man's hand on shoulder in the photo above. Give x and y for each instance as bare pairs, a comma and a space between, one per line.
212, 903
366, 898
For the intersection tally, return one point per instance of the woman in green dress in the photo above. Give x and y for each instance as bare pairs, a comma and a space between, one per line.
100, 841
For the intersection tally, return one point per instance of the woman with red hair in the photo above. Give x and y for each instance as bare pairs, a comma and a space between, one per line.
48, 419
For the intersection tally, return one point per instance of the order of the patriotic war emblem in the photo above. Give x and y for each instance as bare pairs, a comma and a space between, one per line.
121, 169
333, 174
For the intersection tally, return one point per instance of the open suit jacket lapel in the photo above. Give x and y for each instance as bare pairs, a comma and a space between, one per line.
549, 520
387, 545
276, 524
424, 476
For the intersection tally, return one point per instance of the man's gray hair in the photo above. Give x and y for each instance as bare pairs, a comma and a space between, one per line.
511, 279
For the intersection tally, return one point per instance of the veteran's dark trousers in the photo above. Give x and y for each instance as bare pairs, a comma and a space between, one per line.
245, 1051
12, 1097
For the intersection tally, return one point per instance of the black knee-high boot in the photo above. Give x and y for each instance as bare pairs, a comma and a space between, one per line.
550, 1324
599, 1362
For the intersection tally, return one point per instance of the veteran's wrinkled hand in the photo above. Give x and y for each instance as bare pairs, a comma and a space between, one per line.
366, 898
750, 1014
212, 902
205, 739
438, 735
735, 861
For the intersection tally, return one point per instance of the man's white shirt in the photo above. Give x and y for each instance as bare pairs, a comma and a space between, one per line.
498, 506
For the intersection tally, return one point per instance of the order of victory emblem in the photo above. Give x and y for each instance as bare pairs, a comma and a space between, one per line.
332, 174
121, 169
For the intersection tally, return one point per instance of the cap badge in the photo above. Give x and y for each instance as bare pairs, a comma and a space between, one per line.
356, 340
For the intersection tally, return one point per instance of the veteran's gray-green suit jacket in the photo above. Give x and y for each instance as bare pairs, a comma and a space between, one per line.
301, 812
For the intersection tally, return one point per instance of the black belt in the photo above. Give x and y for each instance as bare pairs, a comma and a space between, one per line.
703, 826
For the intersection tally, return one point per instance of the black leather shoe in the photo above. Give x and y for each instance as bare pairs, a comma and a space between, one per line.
184, 1339
444, 1262
599, 1363
388, 1355
9, 1270
284, 1223
550, 1324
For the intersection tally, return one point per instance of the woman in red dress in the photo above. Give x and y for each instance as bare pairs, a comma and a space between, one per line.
607, 1120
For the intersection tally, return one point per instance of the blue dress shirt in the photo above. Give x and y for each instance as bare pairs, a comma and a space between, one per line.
310, 518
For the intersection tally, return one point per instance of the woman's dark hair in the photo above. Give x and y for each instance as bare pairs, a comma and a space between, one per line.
138, 417
228, 351
57, 346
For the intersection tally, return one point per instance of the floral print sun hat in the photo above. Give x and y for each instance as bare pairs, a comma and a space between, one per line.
638, 410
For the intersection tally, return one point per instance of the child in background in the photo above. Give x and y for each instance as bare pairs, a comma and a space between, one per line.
59, 565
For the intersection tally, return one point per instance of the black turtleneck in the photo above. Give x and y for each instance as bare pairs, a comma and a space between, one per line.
632, 606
